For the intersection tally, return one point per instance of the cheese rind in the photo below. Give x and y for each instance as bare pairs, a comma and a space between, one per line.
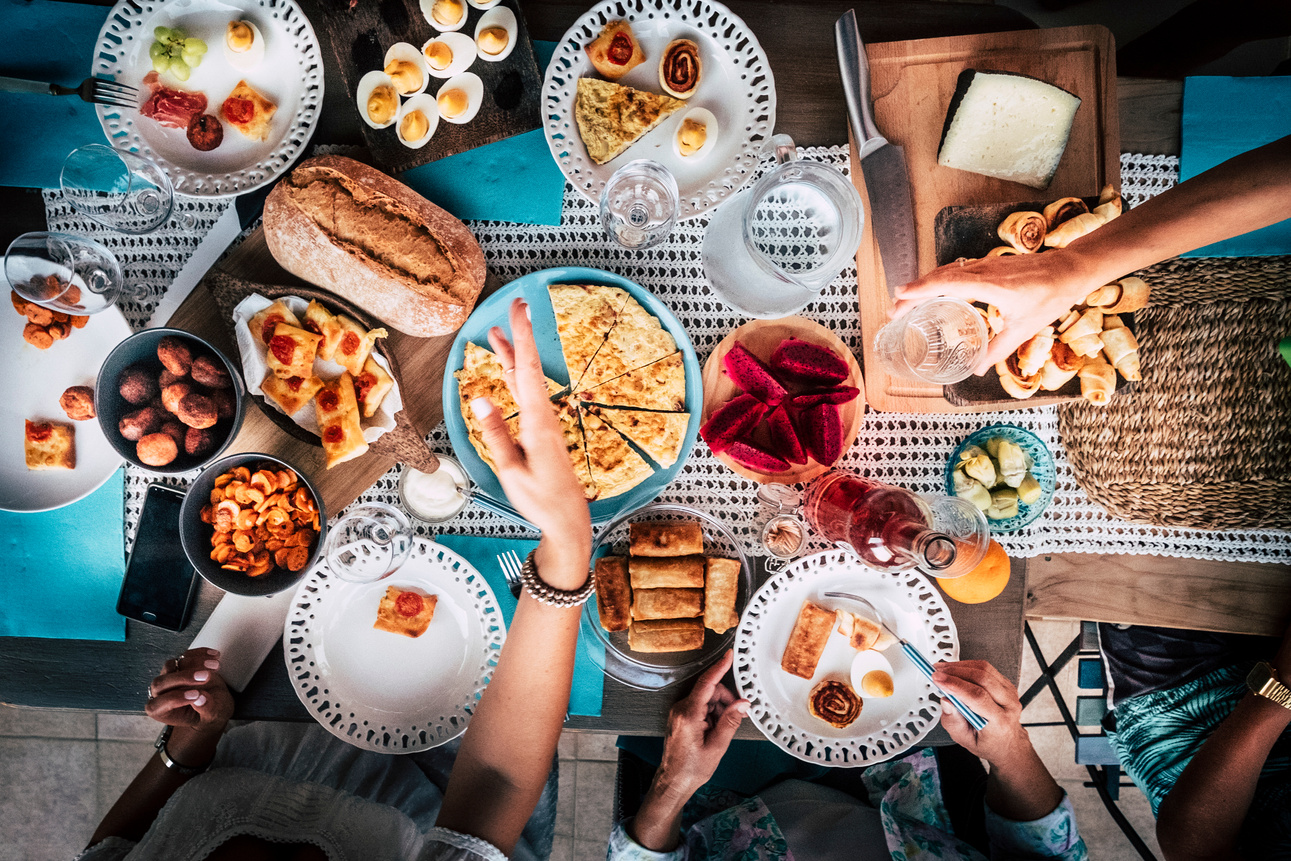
1007, 126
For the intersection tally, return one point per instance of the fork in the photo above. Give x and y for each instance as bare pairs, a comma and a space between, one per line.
976, 721
98, 91
509, 562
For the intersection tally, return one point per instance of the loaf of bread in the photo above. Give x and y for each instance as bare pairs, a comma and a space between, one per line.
353, 230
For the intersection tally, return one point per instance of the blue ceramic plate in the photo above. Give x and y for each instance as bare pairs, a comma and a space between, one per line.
1043, 471
533, 289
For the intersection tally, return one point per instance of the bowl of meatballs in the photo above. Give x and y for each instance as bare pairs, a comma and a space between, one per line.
168, 401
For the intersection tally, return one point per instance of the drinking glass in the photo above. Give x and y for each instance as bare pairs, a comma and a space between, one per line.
639, 204
369, 543
64, 273
940, 341
120, 190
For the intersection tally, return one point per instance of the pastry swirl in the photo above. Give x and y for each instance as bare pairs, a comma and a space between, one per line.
835, 703
1064, 209
1025, 231
679, 68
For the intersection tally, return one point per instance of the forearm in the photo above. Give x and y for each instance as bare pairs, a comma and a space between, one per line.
1203, 814
657, 825
1020, 787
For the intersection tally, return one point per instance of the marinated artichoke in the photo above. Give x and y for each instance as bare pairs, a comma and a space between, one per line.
1029, 490
1004, 504
971, 489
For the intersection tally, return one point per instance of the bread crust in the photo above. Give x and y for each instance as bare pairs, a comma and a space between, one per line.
305, 248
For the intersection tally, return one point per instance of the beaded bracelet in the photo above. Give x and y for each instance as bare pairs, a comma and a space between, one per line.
544, 593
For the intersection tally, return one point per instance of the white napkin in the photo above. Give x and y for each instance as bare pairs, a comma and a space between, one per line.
244, 629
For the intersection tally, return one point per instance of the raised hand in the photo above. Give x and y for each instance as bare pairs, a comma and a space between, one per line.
191, 693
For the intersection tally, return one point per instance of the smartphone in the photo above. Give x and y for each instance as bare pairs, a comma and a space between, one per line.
159, 584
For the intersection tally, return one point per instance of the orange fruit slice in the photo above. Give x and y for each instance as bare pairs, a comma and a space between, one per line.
984, 582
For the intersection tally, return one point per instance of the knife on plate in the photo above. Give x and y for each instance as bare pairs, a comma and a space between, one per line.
882, 164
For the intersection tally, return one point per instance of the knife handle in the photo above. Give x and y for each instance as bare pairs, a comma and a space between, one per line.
854, 67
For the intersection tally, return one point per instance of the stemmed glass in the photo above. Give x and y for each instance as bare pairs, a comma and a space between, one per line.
639, 204
118, 189
64, 273
369, 543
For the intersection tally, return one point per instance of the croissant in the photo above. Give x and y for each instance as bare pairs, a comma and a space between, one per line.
1053, 377
1064, 209
1089, 345
1122, 350
1068, 320
1111, 321
1105, 296
1134, 295
1065, 358
1109, 204
1071, 230
1034, 352
1089, 323
1097, 382
1025, 231
1002, 251
1016, 385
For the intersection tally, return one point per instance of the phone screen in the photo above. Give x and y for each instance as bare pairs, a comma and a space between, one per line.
159, 582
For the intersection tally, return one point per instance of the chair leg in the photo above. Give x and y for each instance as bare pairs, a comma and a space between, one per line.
1118, 817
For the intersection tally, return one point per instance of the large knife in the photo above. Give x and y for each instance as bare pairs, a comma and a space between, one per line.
882, 164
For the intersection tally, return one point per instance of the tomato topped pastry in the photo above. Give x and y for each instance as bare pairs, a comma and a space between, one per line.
50, 445
355, 345
291, 393
405, 612
248, 111
292, 351
371, 387
262, 324
322, 322
616, 51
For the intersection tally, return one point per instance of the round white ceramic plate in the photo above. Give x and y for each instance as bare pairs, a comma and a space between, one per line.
886, 726
387, 692
34, 381
290, 75
736, 84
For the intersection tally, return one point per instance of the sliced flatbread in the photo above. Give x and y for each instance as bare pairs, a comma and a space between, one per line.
482, 376
585, 314
659, 385
637, 339
616, 468
660, 435
611, 117
575, 444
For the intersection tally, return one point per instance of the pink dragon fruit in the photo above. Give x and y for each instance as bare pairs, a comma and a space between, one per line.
784, 439
756, 458
748, 372
804, 362
838, 395
732, 420
820, 428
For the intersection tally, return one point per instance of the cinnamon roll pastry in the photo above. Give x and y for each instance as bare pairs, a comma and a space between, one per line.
835, 703
1122, 351
1025, 231
1063, 209
1003, 251
679, 68
1097, 382
1109, 204
1134, 295
1034, 352
1105, 296
1071, 230
1014, 383
1089, 323
1060, 367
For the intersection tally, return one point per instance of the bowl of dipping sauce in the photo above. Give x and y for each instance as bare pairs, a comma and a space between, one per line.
435, 496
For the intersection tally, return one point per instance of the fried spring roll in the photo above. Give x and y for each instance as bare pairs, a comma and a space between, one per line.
666, 635
613, 596
667, 604
666, 539
671, 572
807, 641
721, 585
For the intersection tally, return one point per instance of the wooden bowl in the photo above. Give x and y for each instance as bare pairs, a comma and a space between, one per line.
761, 337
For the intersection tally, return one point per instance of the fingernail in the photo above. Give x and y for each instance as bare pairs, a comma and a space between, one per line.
200, 701
212, 665
191, 695
742, 708
215, 653
482, 407
201, 676
528, 315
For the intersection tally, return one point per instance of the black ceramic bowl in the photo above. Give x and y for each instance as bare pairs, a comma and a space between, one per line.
195, 535
141, 349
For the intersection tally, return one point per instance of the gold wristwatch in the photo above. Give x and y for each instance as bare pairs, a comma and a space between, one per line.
1263, 682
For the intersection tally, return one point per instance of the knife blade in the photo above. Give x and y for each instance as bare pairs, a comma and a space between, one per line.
883, 164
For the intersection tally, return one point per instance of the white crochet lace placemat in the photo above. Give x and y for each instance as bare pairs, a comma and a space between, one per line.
907, 450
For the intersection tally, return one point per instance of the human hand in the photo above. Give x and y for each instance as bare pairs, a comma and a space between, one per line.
191, 693
700, 729
1031, 291
984, 689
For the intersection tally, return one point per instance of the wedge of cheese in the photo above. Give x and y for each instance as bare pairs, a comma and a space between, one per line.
1007, 126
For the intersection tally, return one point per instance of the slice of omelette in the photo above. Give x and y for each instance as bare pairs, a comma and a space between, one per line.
615, 467
659, 385
660, 435
612, 117
637, 339
585, 314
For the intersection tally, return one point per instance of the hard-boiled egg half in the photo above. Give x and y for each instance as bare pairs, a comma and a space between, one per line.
484, 4
243, 45
696, 135
407, 68
418, 119
871, 674
495, 34
378, 100
459, 99
449, 54
446, 16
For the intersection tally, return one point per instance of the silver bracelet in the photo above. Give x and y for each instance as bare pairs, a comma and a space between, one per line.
544, 593
164, 754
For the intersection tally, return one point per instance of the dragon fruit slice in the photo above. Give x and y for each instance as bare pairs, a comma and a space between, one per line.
755, 458
752, 376
784, 439
804, 362
838, 395
820, 428
731, 421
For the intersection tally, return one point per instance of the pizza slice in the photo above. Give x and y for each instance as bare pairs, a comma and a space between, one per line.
336, 399
49, 445
405, 612
342, 438
612, 117
659, 385
322, 322
615, 467
636, 340
660, 435
585, 314
248, 111
292, 393
262, 324
355, 345
371, 387
292, 351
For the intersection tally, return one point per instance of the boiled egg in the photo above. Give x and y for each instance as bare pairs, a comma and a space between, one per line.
243, 45
872, 675
484, 4
460, 97
378, 100
696, 134
495, 34
418, 119
407, 68
446, 16
449, 54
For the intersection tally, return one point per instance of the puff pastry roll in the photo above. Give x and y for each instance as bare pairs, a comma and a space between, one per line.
807, 640
1122, 351
667, 604
666, 635
1105, 296
1034, 351
1134, 295
1025, 231
666, 539
1088, 323
860, 631
1060, 367
613, 595
721, 586
1097, 382
1090, 345
669, 572
1003, 251
1063, 209
1109, 204
1069, 231
1014, 383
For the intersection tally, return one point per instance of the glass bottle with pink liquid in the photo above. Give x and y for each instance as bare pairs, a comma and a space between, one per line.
892, 529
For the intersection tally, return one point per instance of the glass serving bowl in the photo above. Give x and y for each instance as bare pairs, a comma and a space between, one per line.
1043, 470
654, 671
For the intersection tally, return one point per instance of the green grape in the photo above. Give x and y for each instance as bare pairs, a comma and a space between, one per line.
157, 50
180, 69
177, 34
193, 60
161, 34
160, 64
197, 46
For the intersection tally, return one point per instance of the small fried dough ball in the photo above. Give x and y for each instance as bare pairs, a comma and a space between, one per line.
137, 385
226, 405
173, 394
156, 449
169, 379
197, 411
199, 441
175, 431
210, 372
78, 403
138, 424
175, 355
37, 336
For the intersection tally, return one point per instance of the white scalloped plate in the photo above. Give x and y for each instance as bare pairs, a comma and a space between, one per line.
387, 692
736, 84
291, 76
886, 726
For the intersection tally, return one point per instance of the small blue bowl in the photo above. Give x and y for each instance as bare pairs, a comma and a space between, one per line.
1043, 471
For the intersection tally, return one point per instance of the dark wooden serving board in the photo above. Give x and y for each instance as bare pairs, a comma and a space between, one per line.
970, 231
404, 443
358, 39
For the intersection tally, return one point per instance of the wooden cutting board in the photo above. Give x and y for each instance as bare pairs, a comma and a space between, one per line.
912, 84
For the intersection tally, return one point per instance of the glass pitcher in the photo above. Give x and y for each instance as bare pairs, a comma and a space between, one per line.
771, 249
